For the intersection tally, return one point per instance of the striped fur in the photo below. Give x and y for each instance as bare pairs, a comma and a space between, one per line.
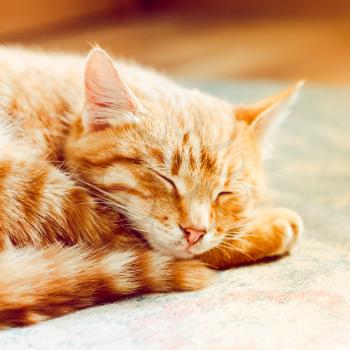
39, 204
53, 281
98, 180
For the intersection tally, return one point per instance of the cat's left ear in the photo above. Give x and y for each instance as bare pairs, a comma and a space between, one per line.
264, 116
108, 100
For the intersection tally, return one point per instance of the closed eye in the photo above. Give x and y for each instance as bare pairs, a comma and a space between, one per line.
166, 180
224, 194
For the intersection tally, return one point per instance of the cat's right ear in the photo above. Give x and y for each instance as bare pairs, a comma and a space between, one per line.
108, 100
264, 116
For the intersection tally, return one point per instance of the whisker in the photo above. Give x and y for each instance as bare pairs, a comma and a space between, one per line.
236, 248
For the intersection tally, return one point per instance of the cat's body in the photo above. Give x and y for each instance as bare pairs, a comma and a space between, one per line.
92, 194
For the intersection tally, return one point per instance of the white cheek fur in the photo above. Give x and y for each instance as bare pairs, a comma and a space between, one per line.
119, 174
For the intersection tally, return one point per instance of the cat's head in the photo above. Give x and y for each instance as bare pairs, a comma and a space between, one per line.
183, 167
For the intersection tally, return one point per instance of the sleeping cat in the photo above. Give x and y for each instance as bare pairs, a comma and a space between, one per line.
115, 180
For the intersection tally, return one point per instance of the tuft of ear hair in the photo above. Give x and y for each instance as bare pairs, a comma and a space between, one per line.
108, 100
266, 115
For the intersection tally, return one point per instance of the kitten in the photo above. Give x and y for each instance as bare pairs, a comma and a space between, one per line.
114, 180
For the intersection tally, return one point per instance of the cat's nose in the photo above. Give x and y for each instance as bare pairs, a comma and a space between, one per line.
193, 234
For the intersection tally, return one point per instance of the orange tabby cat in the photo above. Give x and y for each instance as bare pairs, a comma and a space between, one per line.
125, 184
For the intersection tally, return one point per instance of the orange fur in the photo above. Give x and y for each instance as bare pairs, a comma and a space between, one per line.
56, 280
95, 190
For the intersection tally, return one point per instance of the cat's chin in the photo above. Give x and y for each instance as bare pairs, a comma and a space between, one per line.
177, 253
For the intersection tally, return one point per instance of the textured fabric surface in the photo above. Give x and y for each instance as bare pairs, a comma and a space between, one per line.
298, 302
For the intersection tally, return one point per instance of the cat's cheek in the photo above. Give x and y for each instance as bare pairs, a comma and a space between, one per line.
139, 211
144, 204
210, 241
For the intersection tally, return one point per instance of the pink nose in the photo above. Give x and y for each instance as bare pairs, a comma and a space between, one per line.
193, 234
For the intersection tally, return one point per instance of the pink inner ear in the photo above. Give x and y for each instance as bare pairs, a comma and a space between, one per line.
107, 96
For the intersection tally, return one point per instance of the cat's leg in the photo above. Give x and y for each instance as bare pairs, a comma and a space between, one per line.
268, 232
38, 284
39, 204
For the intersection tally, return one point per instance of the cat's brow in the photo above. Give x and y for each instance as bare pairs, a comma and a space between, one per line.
116, 158
121, 159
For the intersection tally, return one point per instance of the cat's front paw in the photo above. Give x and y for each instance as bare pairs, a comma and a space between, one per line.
287, 226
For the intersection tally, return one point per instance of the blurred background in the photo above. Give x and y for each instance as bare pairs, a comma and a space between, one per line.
211, 39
